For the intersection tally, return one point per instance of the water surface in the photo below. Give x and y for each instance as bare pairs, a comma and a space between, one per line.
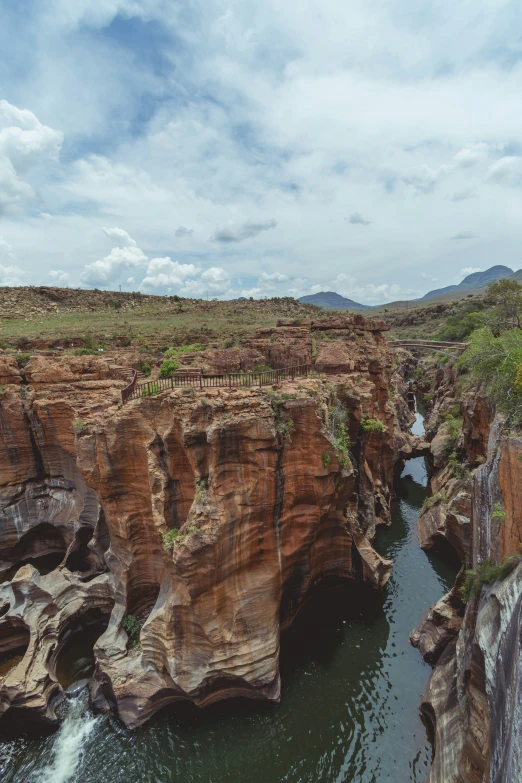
352, 686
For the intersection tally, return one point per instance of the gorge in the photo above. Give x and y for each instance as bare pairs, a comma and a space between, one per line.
232, 575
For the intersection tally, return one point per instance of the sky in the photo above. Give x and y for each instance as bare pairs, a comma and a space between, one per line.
225, 149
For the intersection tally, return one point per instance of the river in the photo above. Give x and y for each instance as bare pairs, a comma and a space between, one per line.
351, 689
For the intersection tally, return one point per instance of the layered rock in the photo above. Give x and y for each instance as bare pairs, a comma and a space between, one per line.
202, 516
473, 697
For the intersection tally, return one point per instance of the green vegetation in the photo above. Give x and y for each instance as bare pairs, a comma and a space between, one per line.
496, 361
459, 327
372, 425
485, 574
452, 427
170, 538
22, 359
284, 426
79, 426
150, 390
505, 299
498, 514
201, 490
168, 368
457, 468
326, 459
431, 500
145, 368
84, 352
181, 349
132, 626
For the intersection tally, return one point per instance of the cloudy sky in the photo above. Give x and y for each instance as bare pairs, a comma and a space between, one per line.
371, 147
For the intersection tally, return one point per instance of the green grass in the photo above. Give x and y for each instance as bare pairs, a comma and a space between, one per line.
150, 320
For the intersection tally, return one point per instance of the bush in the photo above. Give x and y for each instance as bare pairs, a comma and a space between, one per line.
84, 352
485, 574
498, 514
170, 538
326, 460
497, 362
201, 490
168, 368
145, 368
22, 359
181, 349
79, 426
372, 425
132, 626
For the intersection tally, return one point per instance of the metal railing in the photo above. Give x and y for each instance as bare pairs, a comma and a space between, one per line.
235, 380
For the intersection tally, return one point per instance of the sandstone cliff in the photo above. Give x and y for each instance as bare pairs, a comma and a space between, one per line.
196, 520
473, 697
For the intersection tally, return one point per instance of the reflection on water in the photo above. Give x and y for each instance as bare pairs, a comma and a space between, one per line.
352, 685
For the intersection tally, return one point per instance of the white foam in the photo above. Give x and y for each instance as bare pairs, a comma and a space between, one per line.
69, 745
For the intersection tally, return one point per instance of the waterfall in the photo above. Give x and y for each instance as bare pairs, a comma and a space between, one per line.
69, 744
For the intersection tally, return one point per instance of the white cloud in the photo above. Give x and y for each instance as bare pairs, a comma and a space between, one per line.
109, 270
59, 276
469, 270
475, 153
165, 274
430, 278
10, 274
24, 143
506, 171
120, 237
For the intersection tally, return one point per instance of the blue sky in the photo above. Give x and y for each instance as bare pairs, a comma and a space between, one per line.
259, 149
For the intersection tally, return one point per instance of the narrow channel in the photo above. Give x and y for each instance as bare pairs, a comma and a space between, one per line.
352, 686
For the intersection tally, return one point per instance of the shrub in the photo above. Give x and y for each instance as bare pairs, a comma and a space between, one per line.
229, 343
170, 538
79, 426
132, 626
84, 352
498, 514
485, 574
168, 368
326, 459
145, 368
22, 359
201, 490
497, 362
372, 425
181, 349
431, 500
453, 426
458, 470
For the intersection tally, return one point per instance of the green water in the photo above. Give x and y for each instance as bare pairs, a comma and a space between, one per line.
349, 711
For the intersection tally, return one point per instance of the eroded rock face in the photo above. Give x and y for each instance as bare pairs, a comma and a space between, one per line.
265, 501
473, 697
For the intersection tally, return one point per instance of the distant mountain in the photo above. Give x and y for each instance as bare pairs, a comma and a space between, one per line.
473, 281
329, 300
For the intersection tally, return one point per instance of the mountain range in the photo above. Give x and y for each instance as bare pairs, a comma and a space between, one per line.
329, 300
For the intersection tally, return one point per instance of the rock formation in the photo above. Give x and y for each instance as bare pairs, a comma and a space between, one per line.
196, 520
473, 697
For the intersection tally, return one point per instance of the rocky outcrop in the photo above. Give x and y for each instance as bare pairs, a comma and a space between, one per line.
198, 520
473, 697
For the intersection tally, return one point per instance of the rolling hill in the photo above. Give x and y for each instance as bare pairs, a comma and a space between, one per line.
472, 282
329, 300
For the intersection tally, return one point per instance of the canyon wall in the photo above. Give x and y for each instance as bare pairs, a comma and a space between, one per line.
473, 699
196, 520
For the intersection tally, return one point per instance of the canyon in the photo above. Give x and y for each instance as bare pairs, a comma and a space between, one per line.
257, 484
159, 552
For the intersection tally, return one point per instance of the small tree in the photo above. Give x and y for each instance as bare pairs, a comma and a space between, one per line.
168, 368
505, 297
